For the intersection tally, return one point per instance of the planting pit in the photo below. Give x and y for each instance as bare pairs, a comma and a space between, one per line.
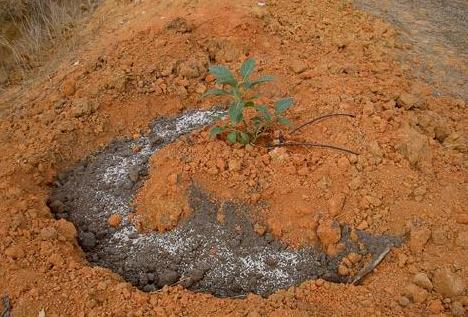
227, 260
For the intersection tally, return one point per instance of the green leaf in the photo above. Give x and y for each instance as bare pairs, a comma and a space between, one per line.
249, 104
232, 137
257, 121
263, 79
223, 75
283, 104
247, 68
264, 111
215, 131
244, 138
284, 121
215, 91
235, 112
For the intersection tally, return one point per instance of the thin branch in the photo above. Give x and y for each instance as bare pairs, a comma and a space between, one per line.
322, 118
312, 144
371, 266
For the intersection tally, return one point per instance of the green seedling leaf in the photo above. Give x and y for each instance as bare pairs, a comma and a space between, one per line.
263, 79
216, 92
284, 121
235, 112
247, 68
283, 104
264, 111
244, 138
216, 131
232, 137
223, 75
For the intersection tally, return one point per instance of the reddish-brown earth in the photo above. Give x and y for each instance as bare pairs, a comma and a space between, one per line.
149, 59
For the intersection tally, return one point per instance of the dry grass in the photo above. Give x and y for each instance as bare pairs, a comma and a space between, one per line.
29, 28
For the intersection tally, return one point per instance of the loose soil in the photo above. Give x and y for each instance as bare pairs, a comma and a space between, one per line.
146, 60
225, 258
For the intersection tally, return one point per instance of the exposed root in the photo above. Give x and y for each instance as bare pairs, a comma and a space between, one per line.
313, 144
313, 121
360, 276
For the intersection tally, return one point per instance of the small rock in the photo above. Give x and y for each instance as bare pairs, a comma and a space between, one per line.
168, 277
335, 204
408, 101
66, 229
329, 232
448, 284
298, 66
418, 238
82, 107
234, 165
462, 218
200, 89
14, 252
354, 257
457, 309
69, 87
415, 293
48, 233
88, 240
343, 162
56, 206
435, 306
403, 301
259, 229
422, 280
303, 171
279, 154
134, 174
343, 270
114, 220
441, 133
462, 239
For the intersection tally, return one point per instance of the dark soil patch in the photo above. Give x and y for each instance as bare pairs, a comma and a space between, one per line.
228, 259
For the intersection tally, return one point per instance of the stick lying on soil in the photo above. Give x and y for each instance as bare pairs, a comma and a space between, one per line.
6, 306
358, 278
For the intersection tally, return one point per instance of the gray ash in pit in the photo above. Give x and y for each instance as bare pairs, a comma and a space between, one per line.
201, 254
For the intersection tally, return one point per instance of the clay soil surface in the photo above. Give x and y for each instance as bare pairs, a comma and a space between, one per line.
143, 60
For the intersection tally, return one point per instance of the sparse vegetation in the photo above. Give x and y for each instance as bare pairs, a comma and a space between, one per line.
29, 27
242, 128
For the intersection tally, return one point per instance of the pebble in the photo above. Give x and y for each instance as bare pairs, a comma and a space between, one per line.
435, 306
14, 252
418, 238
66, 229
234, 165
168, 277
407, 101
448, 284
48, 233
462, 218
343, 270
298, 66
415, 293
329, 232
403, 301
114, 220
335, 204
422, 280
69, 87
457, 309
88, 240
343, 162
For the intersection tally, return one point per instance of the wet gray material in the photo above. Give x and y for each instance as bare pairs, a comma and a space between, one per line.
438, 32
227, 259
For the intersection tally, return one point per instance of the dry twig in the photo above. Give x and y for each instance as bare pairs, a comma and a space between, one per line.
313, 144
